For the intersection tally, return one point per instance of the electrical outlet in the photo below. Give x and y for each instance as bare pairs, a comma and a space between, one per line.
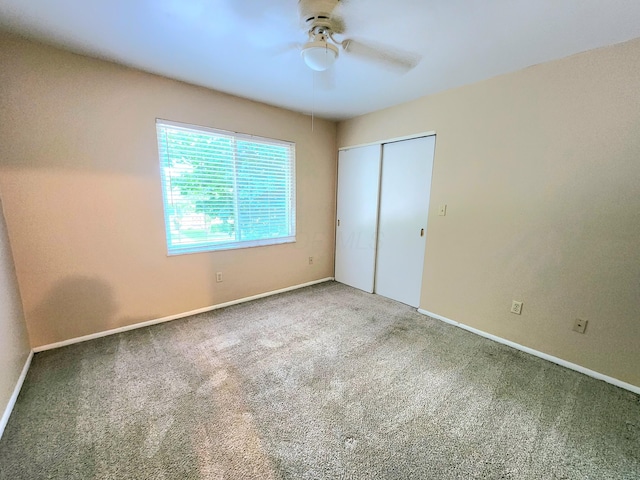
442, 211
516, 307
218, 277
579, 325
310, 260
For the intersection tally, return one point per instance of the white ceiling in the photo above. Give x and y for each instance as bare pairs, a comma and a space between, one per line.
235, 46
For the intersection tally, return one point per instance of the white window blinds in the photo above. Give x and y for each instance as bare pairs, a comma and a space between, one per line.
225, 190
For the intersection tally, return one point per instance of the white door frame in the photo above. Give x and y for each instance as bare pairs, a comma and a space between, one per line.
428, 133
391, 140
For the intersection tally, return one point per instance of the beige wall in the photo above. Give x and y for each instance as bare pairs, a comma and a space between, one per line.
80, 178
14, 341
540, 170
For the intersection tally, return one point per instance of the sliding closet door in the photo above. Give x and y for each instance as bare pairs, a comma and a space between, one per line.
358, 186
404, 207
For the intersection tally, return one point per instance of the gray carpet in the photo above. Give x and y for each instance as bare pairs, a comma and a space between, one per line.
324, 382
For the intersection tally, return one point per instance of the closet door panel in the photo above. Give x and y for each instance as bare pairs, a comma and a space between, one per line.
404, 205
357, 216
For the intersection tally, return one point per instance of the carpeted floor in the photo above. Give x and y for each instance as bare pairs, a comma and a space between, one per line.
326, 382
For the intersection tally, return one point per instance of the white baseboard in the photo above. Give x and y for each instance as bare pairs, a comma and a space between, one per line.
14, 396
531, 351
106, 333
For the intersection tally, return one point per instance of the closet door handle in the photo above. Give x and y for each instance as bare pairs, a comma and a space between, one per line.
422, 232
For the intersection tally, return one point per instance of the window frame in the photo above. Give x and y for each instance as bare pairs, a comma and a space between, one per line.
208, 246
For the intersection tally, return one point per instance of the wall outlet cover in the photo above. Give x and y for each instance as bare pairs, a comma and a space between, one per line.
579, 325
516, 307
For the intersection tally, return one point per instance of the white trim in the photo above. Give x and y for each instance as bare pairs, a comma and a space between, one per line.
14, 396
210, 247
531, 351
148, 323
391, 140
220, 131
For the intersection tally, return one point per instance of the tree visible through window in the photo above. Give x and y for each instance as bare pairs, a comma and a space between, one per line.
225, 190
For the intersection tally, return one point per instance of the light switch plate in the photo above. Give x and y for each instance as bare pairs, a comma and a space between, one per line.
442, 211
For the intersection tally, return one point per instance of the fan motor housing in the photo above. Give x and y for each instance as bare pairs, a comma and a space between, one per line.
319, 13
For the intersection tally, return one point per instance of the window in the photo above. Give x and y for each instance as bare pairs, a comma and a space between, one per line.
225, 190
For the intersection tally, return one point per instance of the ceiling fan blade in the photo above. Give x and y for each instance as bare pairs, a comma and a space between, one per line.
275, 50
392, 57
337, 17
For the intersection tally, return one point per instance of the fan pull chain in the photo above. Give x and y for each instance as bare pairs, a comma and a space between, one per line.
313, 98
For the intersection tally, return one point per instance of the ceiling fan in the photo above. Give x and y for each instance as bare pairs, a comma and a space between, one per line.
323, 22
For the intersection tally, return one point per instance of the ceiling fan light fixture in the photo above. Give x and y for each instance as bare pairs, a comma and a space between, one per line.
319, 55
